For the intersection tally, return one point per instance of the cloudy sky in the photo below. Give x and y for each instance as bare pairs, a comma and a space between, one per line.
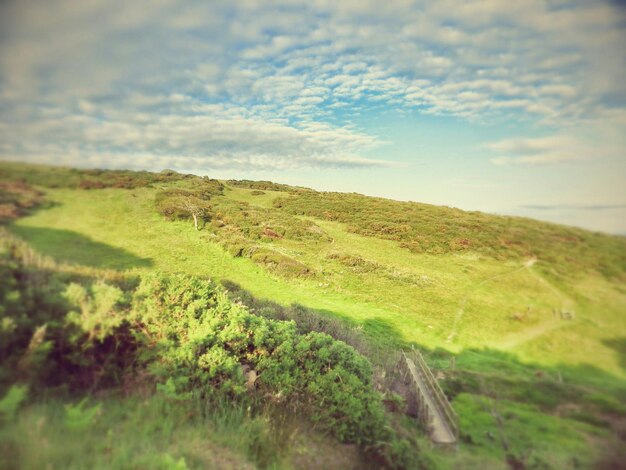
508, 107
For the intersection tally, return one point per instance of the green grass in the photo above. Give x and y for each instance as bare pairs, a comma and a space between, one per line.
495, 314
412, 298
152, 432
41, 436
499, 428
424, 228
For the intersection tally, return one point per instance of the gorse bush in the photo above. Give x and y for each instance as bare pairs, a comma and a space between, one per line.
280, 264
59, 329
30, 307
335, 380
194, 340
99, 307
199, 336
261, 224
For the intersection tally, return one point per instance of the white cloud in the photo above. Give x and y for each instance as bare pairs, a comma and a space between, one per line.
114, 74
210, 136
594, 144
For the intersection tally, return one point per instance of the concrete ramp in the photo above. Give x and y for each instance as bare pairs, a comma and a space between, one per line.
434, 410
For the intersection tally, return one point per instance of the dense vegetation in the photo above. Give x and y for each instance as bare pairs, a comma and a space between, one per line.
265, 186
119, 333
60, 177
423, 228
16, 198
238, 225
90, 335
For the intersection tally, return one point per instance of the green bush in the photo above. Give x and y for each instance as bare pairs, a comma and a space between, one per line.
193, 339
264, 186
356, 263
59, 329
197, 333
280, 264
261, 224
333, 378
99, 307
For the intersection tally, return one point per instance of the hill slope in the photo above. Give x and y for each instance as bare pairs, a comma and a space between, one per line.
524, 306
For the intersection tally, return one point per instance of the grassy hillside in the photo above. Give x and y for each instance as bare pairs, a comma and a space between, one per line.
532, 313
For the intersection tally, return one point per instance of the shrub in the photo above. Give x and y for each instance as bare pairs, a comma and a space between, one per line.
265, 186
333, 378
16, 198
199, 334
423, 228
194, 340
356, 263
60, 177
281, 264
99, 306
59, 329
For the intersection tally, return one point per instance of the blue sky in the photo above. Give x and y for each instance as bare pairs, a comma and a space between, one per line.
508, 107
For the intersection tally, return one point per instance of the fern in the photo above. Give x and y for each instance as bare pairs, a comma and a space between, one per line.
12, 401
80, 417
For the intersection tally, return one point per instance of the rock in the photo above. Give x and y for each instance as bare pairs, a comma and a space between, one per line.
251, 377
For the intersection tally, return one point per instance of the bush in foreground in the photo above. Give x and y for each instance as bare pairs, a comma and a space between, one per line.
206, 342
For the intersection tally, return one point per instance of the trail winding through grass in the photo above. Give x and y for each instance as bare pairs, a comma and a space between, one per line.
459, 315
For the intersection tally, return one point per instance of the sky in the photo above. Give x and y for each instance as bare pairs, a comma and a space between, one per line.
506, 107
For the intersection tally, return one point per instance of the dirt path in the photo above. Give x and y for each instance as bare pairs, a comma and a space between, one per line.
461, 311
546, 326
566, 302
530, 333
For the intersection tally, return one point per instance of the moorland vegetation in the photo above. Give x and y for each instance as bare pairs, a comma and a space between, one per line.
268, 334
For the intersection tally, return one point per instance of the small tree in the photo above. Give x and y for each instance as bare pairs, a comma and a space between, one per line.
194, 206
180, 203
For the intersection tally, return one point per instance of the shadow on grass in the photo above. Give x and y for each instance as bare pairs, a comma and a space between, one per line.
583, 392
471, 370
370, 337
520, 413
71, 247
536, 415
619, 346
